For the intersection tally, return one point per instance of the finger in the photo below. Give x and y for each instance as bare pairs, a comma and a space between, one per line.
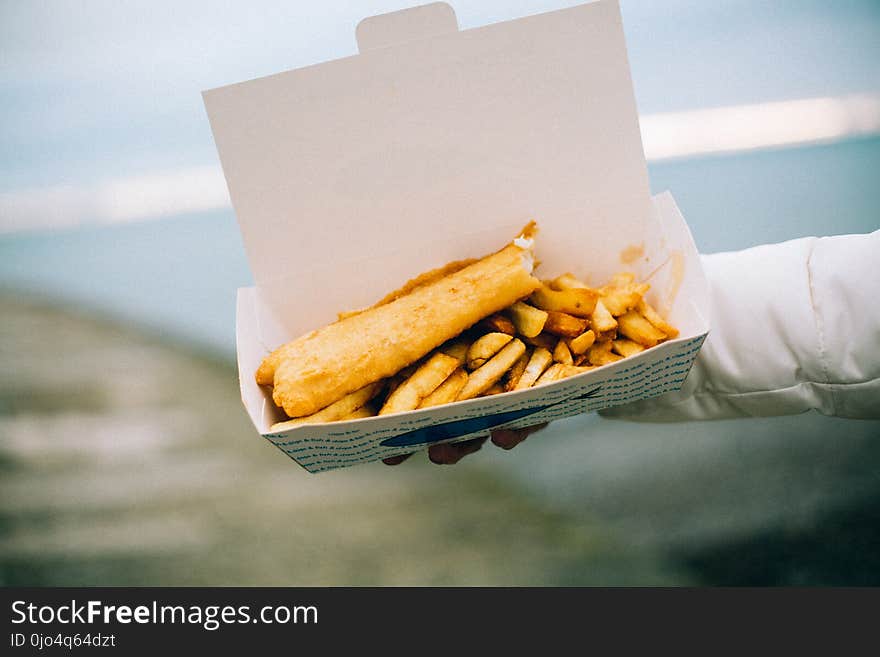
396, 460
510, 438
452, 453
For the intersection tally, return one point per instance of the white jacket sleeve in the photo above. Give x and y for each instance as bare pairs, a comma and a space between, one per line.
795, 326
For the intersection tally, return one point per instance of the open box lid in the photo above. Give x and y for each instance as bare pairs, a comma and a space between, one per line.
431, 133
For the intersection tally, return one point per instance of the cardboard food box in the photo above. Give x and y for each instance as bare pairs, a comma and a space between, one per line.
431, 145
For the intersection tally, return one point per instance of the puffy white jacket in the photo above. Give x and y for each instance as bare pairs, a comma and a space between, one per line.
795, 326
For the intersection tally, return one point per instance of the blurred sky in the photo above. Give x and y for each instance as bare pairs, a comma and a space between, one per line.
109, 88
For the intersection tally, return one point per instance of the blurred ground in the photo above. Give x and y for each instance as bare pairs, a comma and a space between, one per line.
127, 460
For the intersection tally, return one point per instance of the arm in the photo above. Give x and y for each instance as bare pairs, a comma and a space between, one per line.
795, 327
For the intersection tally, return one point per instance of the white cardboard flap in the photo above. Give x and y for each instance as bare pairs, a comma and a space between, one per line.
433, 138
406, 25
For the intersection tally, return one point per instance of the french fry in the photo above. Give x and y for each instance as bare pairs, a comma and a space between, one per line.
581, 360
422, 383
540, 360
638, 329
626, 347
600, 346
336, 411
485, 347
395, 381
564, 325
601, 321
486, 376
619, 301
561, 353
528, 320
364, 411
575, 301
447, 391
623, 293
600, 354
457, 349
514, 373
581, 343
571, 370
551, 374
567, 281
544, 340
498, 323
496, 389
654, 317
609, 358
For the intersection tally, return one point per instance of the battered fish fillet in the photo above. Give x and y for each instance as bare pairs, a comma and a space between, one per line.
419, 281
266, 372
321, 367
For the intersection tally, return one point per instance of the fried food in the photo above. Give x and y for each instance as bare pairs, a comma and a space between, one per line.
498, 323
325, 365
626, 347
654, 317
485, 347
496, 389
339, 410
447, 391
571, 370
528, 320
574, 301
366, 410
622, 293
565, 325
544, 340
567, 281
457, 349
602, 321
516, 371
485, 377
538, 363
458, 332
581, 343
638, 329
562, 354
600, 354
409, 394
419, 281
551, 374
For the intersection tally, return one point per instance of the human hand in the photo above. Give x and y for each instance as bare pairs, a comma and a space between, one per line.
452, 453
